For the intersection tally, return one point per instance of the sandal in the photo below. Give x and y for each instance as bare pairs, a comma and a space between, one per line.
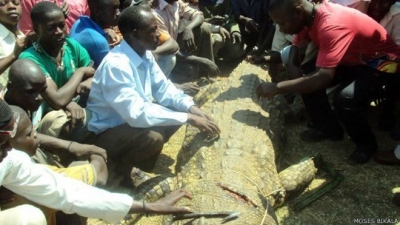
138, 176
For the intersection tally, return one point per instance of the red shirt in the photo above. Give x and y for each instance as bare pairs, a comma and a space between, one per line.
348, 37
77, 8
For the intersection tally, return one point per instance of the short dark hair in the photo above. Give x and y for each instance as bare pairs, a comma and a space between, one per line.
286, 6
132, 18
96, 3
38, 12
5, 113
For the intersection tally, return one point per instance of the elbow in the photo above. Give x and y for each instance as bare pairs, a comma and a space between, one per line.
175, 47
57, 105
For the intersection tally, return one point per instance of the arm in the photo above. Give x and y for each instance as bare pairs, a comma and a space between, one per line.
125, 96
266, 36
306, 84
41, 185
8, 60
196, 21
52, 144
168, 47
59, 98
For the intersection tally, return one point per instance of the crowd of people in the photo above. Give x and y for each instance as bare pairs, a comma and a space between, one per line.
84, 82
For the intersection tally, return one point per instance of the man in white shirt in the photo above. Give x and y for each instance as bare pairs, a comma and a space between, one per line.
135, 108
43, 186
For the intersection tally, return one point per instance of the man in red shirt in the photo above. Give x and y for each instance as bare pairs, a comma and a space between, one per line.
354, 52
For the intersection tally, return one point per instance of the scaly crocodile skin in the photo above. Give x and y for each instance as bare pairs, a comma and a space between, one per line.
237, 171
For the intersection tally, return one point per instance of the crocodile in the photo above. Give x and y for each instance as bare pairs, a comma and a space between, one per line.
237, 170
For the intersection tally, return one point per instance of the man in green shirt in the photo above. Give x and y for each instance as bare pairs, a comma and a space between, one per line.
64, 62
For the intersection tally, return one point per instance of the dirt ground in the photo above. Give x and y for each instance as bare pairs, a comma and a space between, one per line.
364, 197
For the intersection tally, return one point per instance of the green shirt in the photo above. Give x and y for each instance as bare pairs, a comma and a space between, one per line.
74, 57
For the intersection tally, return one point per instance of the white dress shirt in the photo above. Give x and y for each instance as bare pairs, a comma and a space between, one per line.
127, 88
43, 186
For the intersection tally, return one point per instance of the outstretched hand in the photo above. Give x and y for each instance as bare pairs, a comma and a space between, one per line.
203, 123
266, 90
255, 59
166, 204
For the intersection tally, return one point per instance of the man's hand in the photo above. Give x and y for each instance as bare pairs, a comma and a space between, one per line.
188, 40
197, 111
236, 37
166, 204
6, 196
76, 113
255, 59
252, 26
203, 124
64, 7
266, 90
83, 151
84, 86
224, 33
20, 45
112, 37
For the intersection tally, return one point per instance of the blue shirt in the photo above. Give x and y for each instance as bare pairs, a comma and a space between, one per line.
92, 37
256, 9
128, 88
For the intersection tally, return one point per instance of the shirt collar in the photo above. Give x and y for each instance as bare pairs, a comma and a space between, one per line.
4, 32
135, 58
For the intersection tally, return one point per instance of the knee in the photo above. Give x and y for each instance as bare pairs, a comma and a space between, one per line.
29, 214
155, 141
205, 28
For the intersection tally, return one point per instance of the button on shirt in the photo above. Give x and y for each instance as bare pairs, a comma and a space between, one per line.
43, 186
127, 88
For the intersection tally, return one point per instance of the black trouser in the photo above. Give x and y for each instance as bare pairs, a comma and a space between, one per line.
358, 84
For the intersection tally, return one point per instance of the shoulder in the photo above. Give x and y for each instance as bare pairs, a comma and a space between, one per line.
30, 53
115, 59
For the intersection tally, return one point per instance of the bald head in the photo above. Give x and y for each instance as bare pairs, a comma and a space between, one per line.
25, 70
26, 84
